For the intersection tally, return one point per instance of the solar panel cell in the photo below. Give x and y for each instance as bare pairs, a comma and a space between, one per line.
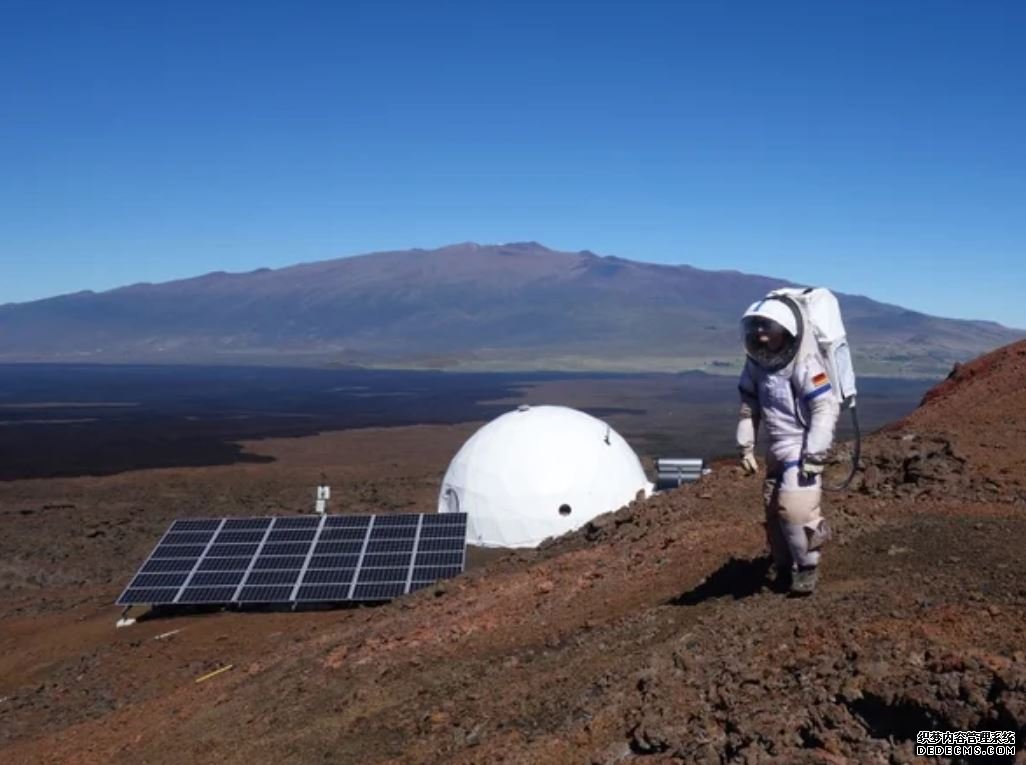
351, 535
291, 535
206, 595
383, 560
338, 548
265, 595
299, 522
393, 532
230, 551
435, 532
390, 546
439, 545
289, 576
439, 559
224, 564
394, 574
400, 519
328, 576
334, 561
217, 578
347, 521
279, 562
168, 564
285, 548
239, 537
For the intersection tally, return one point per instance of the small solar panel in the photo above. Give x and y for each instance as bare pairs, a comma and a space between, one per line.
299, 559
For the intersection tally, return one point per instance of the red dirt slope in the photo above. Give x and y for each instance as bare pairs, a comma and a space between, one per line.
968, 437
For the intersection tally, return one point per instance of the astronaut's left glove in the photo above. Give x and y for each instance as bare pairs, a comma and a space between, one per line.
749, 465
811, 466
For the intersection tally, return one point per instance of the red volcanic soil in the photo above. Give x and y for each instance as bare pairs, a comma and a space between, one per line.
982, 408
650, 633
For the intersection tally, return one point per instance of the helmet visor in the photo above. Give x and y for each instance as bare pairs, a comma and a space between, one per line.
767, 343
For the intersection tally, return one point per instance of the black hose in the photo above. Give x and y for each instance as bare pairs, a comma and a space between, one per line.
855, 456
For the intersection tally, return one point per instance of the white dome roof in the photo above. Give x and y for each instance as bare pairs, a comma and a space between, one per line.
539, 472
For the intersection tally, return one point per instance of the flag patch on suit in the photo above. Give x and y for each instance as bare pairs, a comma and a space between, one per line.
820, 385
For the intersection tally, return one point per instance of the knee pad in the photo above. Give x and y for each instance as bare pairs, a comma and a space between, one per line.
799, 507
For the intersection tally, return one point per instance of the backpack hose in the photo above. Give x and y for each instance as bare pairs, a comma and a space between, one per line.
855, 455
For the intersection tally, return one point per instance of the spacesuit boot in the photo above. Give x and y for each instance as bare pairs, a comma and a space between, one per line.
804, 580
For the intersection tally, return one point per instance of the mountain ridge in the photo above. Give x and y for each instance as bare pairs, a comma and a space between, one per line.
467, 305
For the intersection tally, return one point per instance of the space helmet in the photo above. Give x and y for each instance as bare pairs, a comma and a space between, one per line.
772, 331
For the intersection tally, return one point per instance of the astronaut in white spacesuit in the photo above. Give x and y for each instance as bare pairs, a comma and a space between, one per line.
784, 387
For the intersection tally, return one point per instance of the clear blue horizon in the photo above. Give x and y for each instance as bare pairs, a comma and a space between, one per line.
874, 148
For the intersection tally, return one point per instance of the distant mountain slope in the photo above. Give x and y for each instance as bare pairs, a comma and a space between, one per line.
513, 305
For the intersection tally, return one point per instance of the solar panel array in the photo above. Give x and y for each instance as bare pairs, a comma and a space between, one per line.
300, 559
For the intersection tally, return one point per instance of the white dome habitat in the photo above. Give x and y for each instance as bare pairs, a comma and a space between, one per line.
539, 472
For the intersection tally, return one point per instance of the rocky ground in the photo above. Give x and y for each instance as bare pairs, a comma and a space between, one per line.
650, 634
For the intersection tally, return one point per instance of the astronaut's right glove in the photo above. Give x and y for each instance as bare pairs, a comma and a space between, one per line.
748, 462
811, 467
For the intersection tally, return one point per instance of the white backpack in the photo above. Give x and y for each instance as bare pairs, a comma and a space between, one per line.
821, 311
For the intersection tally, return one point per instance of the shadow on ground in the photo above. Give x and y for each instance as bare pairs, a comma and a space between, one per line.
738, 578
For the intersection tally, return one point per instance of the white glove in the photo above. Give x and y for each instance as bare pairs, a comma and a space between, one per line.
748, 462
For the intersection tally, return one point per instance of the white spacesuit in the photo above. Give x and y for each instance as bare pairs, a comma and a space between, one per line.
784, 387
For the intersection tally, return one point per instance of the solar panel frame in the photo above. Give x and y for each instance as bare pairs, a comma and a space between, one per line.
298, 559
413, 557
306, 559
363, 552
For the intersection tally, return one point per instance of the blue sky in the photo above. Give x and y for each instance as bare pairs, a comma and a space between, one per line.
872, 147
